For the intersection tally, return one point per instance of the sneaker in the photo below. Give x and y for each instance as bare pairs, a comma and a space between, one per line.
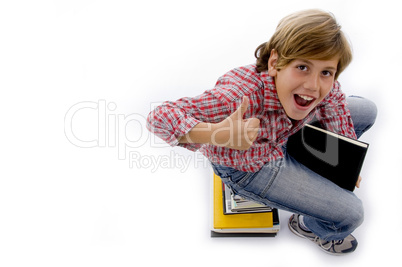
334, 247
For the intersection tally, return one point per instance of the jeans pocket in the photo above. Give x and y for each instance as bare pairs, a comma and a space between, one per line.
241, 178
223, 171
234, 176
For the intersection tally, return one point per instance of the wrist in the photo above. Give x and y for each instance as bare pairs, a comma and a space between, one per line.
201, 134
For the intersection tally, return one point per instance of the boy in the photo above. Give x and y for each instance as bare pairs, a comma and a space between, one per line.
293, 82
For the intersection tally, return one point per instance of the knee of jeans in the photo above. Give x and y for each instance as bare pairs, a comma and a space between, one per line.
371, 109
367, 108
353, 216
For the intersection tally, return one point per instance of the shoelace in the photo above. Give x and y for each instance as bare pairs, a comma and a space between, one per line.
331, 243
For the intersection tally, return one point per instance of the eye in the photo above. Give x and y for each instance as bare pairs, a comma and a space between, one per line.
302, 67
327, 73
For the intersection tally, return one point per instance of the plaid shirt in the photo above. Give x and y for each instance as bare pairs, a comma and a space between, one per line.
172, 120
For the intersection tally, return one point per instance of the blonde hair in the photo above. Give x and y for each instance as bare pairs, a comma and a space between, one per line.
308, 34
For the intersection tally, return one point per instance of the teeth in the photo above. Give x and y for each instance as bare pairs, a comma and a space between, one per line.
307, 98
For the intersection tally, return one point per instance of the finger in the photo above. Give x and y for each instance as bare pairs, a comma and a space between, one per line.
243, 106
358, 181
239, 113
253, 127
252, 124
252, 136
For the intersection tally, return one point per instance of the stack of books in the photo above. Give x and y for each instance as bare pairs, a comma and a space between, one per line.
235, 216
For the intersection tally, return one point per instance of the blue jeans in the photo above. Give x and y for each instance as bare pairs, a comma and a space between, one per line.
330, 212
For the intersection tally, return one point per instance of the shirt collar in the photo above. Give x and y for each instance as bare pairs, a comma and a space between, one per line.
271, 99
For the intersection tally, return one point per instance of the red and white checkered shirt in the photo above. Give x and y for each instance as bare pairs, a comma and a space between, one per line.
171, 120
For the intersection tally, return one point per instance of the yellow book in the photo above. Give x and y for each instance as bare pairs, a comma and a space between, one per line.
232, 221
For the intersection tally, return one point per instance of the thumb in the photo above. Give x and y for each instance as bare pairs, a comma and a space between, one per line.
243, 107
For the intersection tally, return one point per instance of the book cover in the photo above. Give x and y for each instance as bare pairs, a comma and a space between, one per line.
330, 155
248, 220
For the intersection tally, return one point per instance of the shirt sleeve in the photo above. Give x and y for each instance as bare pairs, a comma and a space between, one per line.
173, 119
334, 114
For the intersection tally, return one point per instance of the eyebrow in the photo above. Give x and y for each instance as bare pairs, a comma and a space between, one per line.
311, 63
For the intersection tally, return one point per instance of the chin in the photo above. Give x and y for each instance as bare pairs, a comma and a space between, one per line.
297, 115
297, 118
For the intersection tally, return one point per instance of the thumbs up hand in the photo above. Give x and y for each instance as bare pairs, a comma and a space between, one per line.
236, 132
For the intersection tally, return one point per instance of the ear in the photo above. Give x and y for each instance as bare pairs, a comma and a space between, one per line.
273, 59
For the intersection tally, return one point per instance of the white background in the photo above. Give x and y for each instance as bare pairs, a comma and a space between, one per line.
65, 205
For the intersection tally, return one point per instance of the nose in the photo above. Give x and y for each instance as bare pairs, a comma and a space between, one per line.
312, 82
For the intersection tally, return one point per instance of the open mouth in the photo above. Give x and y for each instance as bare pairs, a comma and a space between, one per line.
303, 100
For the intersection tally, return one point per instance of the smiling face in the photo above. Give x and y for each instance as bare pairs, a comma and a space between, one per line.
302, 84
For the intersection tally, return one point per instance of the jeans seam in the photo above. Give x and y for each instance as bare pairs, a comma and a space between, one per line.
268, 186
275, 172
242, 180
